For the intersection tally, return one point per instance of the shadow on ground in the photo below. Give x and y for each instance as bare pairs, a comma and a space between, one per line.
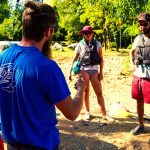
91, 135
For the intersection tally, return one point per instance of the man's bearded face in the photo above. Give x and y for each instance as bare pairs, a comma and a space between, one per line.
144, 27
46, 50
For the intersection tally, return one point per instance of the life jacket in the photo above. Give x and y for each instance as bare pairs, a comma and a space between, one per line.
90, 55
142, 52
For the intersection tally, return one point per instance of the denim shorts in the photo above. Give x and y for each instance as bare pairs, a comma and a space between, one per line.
91, 72
141, 89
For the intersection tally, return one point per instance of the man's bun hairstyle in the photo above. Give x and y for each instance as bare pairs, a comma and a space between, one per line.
37, 18
32, 5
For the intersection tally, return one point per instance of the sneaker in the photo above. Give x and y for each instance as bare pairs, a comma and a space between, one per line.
75, 85
108, 118
87, 116
138, 130
102, 124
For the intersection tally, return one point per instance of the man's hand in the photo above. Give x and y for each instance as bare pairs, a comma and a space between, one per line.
132, 67
80, 85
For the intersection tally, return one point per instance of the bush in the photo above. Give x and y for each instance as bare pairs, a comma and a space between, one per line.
130, 46
112, 45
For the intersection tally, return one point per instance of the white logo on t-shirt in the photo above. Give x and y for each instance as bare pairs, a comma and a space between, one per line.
9, 77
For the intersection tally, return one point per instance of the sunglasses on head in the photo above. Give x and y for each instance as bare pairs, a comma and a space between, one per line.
145, 24
54, 28
87, 33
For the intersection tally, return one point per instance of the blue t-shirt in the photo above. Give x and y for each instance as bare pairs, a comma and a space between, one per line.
30, 86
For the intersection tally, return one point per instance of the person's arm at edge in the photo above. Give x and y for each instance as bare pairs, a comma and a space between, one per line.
132, 53
72, 107
132, 57
101, 64
74, 59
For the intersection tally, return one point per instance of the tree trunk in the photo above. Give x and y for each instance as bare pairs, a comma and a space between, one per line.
105, 39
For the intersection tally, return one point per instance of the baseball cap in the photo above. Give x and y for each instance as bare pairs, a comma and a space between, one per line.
144, 17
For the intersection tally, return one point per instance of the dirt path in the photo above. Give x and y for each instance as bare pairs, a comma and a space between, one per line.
81, 135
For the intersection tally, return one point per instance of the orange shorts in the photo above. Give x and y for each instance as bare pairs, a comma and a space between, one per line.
141, 89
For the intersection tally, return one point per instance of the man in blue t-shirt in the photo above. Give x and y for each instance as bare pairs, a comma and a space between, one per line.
31, 85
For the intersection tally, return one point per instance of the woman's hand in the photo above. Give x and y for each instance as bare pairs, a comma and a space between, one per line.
70, 77
100, 76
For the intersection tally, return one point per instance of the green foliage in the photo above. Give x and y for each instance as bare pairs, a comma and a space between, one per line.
129, 46
69, 17
113, 21
111, 45
132, 30
6, 29
4, 10
10, 28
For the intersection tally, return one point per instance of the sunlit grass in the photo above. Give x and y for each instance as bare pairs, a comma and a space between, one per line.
69, 53
122, 52
61, 55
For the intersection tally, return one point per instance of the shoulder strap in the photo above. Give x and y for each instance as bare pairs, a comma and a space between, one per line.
82, 42
143, 40
143, 44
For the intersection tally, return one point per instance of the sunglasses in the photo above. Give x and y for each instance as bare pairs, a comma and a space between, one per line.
87, 33
143, 24
54, 28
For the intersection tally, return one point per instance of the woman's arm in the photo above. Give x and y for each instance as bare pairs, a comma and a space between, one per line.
74, 59
100, 76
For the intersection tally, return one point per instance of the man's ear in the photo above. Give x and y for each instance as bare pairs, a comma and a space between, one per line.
49, 32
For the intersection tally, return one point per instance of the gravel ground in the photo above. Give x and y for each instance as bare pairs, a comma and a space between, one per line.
91, 135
